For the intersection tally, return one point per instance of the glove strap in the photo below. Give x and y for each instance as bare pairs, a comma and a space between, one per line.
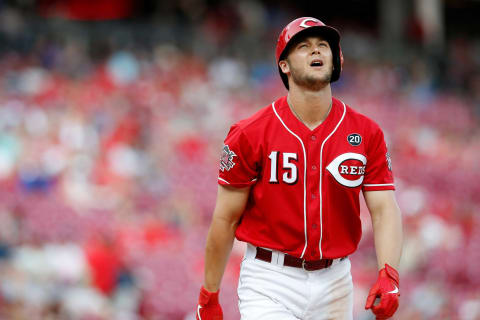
390, 272
207, 297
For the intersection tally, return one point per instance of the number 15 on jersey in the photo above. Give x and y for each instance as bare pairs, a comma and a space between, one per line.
289, 168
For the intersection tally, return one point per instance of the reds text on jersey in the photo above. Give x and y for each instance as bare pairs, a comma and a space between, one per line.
305, 183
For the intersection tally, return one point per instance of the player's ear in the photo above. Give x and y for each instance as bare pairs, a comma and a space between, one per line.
284, 66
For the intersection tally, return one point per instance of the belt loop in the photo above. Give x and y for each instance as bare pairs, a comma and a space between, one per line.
274, 257
281, 259
250, 252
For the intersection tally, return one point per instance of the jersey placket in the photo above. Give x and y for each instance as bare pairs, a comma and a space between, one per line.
312, 141
328, 132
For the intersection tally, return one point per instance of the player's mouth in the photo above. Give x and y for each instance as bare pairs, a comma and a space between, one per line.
316, 63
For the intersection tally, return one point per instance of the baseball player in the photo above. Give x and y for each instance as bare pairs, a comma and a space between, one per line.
289, 184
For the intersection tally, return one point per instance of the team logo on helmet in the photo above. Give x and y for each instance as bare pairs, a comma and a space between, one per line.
304, 22
348, 169
226, 160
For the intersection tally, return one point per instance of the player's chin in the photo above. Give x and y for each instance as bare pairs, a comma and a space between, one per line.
326, 77
320, 78
320, 73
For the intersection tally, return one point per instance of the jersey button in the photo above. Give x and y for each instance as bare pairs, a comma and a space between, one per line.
313, 138
314, 167
314, 195
314, 226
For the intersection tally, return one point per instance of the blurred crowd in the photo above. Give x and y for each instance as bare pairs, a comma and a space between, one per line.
109, 154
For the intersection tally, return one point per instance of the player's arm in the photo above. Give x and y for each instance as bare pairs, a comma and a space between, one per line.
229, 207
387, 231
387, 226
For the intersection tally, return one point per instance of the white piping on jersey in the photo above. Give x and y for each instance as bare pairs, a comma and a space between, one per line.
379, 185
255, 179
304, 179
321, 170
223, 180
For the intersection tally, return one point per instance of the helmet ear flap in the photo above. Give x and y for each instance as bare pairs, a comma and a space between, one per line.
337, 61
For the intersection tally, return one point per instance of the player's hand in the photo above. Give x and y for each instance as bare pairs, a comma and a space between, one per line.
386, 289
208, 307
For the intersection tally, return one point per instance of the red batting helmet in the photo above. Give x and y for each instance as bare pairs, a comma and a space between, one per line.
314, 26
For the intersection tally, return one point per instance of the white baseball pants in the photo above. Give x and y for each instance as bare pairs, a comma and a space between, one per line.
271, 291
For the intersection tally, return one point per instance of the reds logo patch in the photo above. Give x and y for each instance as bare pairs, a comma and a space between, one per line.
348, 169
226, 160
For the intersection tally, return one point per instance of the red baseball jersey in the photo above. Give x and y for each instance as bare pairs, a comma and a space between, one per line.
305, 184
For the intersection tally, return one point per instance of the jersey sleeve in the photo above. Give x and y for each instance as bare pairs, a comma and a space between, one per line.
378, 172
238, 162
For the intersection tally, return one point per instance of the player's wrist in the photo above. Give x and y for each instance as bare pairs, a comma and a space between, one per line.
210, 288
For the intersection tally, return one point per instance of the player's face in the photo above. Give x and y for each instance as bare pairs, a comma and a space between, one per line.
310, 62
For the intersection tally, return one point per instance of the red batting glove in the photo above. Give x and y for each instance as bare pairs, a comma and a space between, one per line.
208, 307
386, 288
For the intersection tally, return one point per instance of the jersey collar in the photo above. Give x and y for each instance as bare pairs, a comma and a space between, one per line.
298, 127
